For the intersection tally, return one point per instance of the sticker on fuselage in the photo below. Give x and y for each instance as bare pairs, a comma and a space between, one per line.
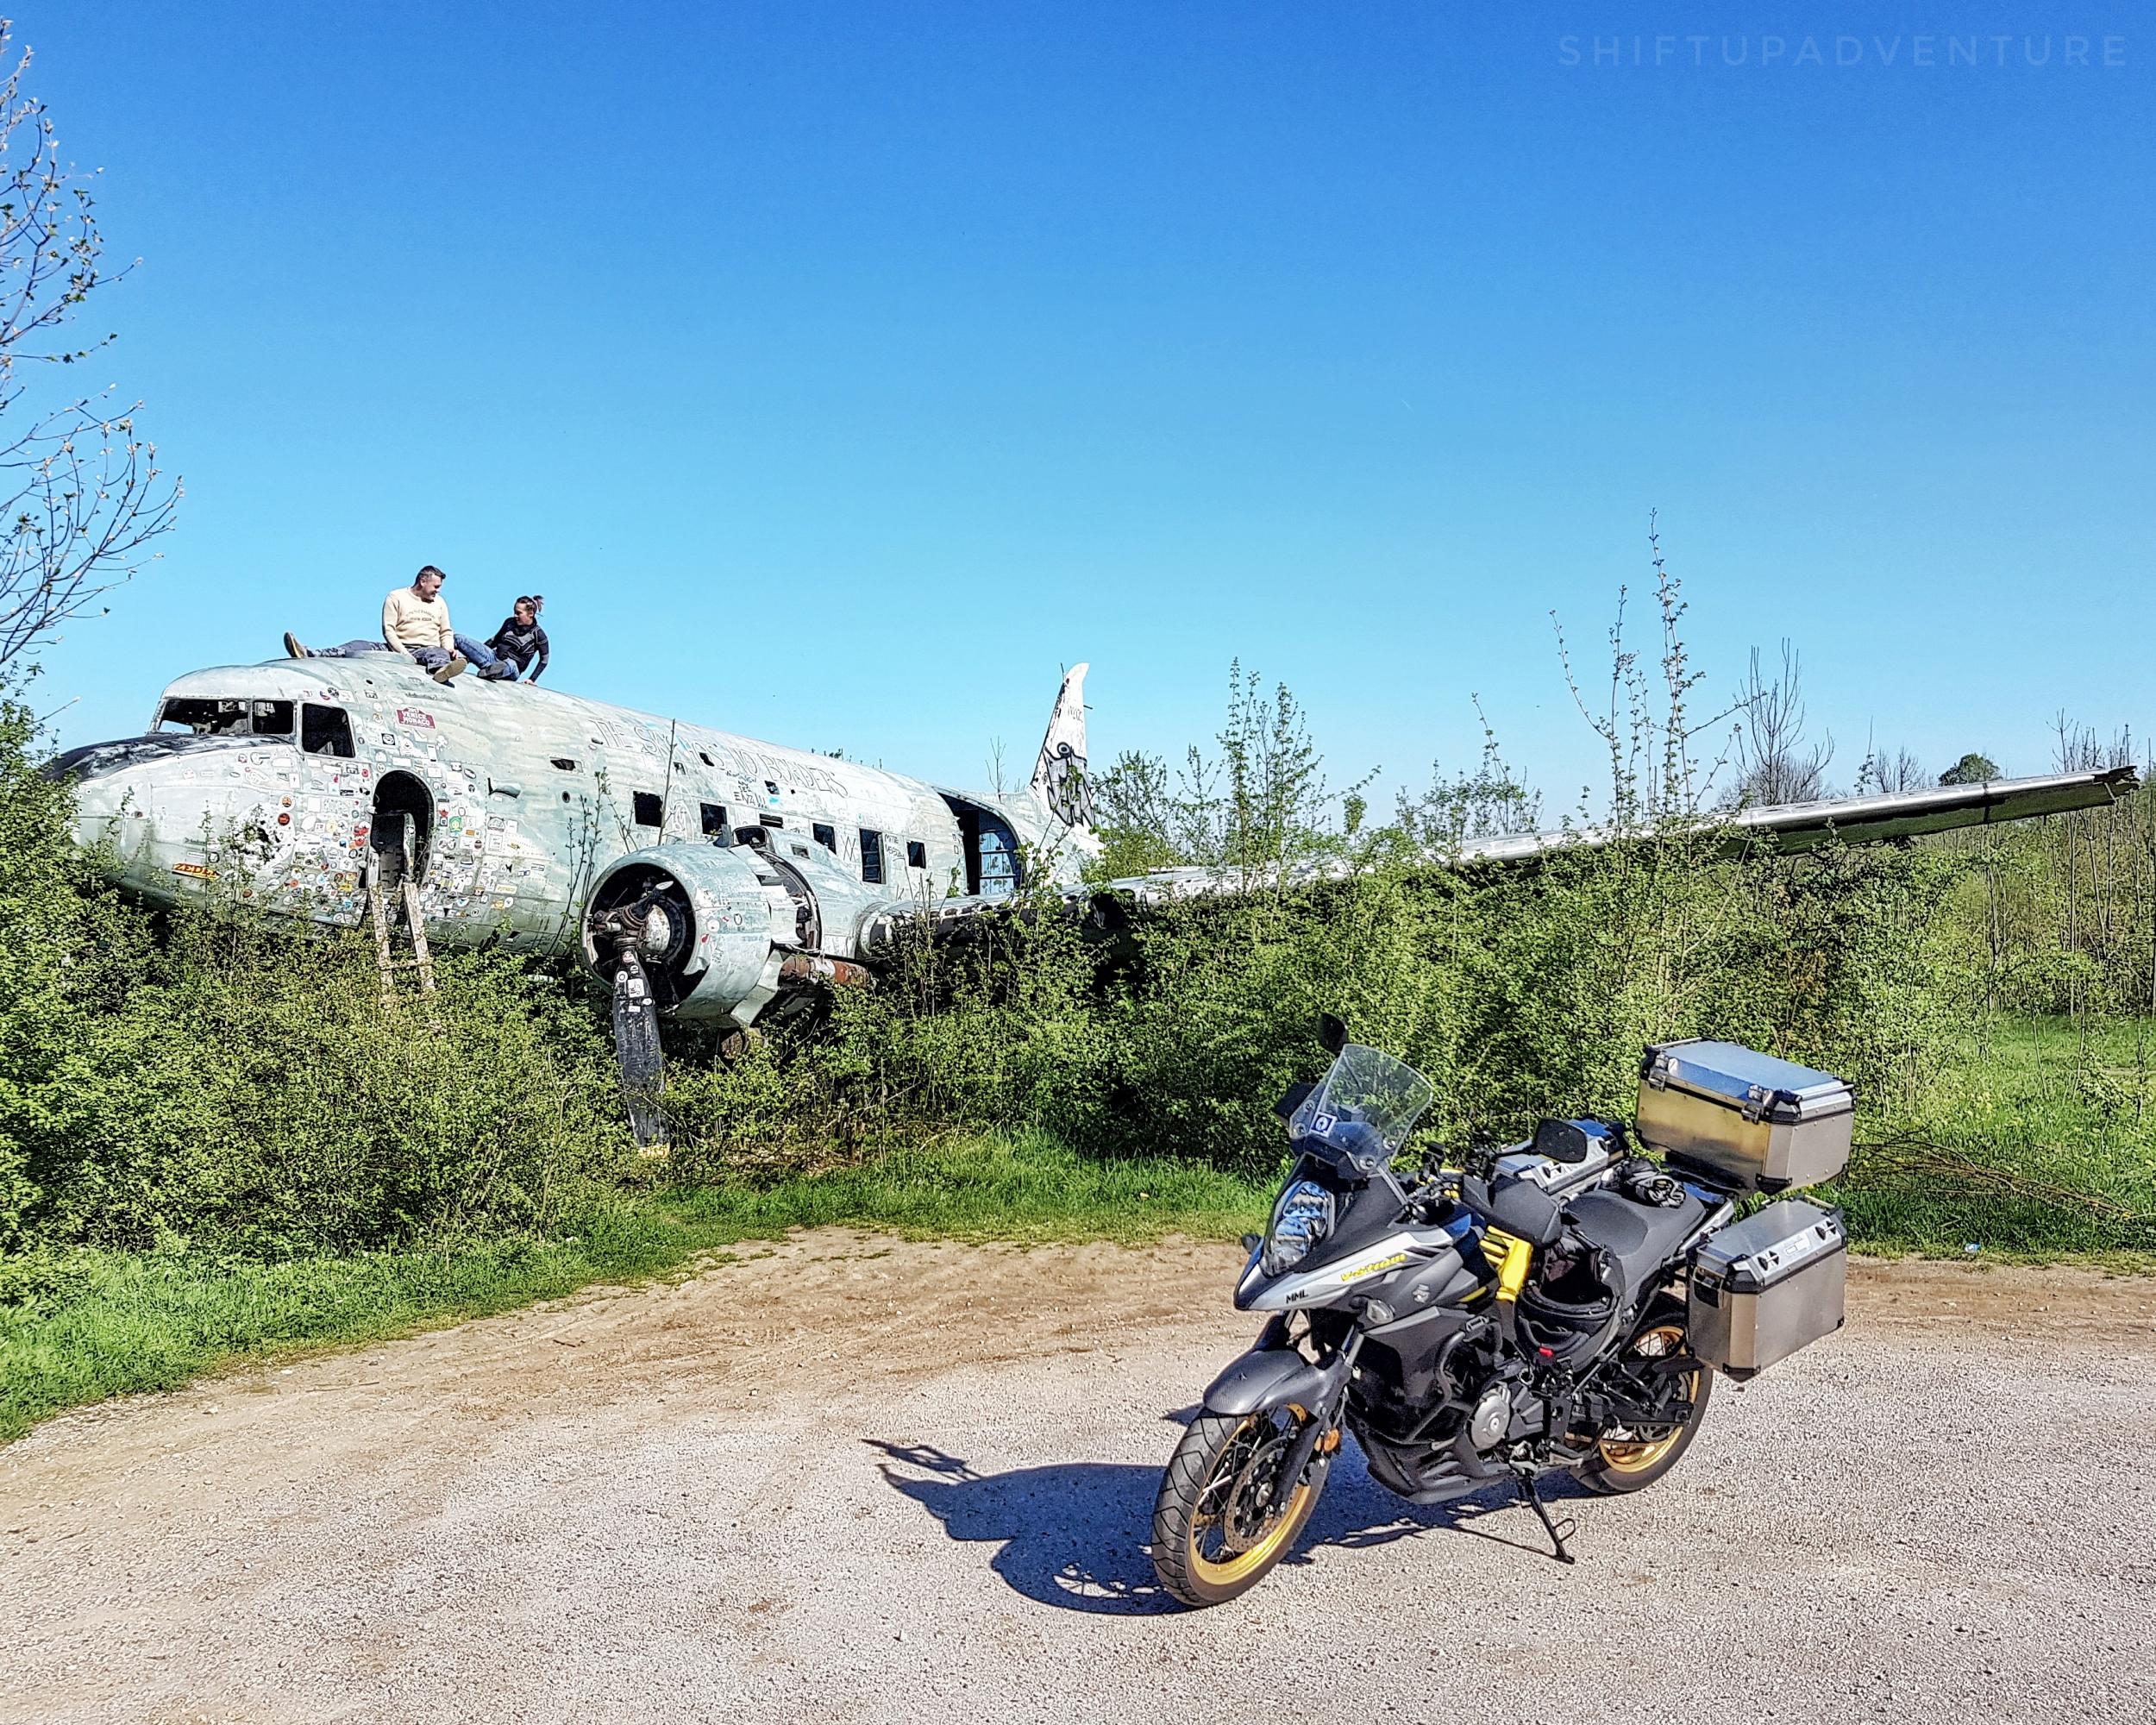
1361, 1270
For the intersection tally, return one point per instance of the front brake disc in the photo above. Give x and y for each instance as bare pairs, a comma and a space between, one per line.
1254, 1504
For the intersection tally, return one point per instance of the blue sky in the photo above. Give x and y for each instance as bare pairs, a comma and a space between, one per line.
841, 371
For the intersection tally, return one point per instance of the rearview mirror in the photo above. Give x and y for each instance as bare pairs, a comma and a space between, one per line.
1331, 1032
1296, 1096
1561, 1141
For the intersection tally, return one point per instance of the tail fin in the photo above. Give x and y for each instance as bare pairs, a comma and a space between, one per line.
1059, 776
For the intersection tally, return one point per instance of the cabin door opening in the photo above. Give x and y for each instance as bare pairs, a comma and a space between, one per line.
402, 806
993, 869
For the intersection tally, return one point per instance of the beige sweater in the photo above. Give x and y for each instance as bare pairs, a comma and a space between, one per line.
409, 621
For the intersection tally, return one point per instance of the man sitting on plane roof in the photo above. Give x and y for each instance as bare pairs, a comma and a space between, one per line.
416, 623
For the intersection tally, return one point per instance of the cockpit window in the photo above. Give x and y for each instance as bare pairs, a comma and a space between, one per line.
325, 730
215, 716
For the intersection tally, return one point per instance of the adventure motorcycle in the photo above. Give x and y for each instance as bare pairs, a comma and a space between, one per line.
1561, 1304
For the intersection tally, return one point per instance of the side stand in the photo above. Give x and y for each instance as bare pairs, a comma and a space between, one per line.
1526, 1478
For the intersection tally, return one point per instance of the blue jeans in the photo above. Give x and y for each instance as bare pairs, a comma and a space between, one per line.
480, 655
430, 658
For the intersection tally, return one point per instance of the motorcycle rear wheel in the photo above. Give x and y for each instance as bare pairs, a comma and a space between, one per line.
1622, 1463
1221, 1523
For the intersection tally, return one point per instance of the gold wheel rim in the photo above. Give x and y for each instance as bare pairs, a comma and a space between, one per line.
1244, 1563
1631, 1455
1215, 1572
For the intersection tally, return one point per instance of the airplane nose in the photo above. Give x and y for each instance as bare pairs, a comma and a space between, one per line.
158, 810
124, 792
97, 776
100, 800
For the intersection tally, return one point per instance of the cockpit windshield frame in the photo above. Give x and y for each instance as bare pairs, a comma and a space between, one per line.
227, 716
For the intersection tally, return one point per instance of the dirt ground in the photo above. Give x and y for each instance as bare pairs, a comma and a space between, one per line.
880, 1481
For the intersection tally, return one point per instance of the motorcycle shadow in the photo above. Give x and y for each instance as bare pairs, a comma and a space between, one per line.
1073, 1535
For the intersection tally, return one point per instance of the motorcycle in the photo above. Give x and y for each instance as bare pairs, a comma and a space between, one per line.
1559, 1305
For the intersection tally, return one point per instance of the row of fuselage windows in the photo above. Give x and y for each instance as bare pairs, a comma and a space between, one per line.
651, 811
327, 731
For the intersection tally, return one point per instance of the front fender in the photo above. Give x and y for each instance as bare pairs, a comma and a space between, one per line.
1268, 1377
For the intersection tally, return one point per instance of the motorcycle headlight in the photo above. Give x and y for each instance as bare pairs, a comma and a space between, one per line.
1300, 1219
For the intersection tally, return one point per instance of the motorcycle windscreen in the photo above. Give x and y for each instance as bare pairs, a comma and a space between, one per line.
1366, 1094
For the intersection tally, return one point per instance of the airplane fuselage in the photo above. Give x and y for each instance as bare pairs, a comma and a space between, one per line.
519, 798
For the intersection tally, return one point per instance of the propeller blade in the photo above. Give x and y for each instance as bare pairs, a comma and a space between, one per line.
637, 1052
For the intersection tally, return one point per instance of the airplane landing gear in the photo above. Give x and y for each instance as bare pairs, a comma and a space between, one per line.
646, 929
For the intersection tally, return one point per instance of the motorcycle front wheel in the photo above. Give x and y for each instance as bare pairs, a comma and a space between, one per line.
1224, 1516
1626, 1461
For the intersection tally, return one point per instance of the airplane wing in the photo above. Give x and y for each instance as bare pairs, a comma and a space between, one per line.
1783, 827
1866, 820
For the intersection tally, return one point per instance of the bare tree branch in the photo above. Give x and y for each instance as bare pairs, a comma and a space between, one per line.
1774, 760
81, 495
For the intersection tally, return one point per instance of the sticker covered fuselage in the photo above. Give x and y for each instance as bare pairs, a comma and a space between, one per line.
270, 778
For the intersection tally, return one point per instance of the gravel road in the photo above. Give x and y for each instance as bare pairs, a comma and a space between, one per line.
856, 1480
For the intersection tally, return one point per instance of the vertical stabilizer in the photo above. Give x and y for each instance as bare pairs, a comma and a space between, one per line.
1059, 776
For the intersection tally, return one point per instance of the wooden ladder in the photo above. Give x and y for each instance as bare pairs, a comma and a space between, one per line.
385, 958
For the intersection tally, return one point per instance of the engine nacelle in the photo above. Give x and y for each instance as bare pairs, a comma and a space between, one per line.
832, 906
722, 930
711, 923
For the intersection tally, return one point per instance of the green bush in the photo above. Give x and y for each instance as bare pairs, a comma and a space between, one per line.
251, 1092
1519, 992
215, 1079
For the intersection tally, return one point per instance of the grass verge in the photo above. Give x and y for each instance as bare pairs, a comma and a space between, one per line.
126, 1324
2040, 1145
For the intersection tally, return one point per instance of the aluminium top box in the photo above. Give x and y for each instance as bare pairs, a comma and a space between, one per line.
1743, 1119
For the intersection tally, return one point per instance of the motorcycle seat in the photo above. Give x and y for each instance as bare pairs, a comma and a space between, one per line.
1639, 1238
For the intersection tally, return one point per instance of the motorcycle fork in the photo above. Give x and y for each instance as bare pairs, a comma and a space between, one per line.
1322, 1422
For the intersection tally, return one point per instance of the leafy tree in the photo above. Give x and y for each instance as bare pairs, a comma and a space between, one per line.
1972, 769
62, 947
1260, 808
1647, 723
1490, 802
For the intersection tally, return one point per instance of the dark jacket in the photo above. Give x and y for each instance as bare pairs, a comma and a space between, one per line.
524, 645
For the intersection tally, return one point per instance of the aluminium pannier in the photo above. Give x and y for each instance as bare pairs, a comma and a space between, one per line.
1744, 1120
1763, 1288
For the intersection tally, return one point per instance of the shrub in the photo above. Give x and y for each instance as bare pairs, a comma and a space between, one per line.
216, 1078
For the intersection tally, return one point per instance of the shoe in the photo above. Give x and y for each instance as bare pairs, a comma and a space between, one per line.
292, 648
455, 668
500, 673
